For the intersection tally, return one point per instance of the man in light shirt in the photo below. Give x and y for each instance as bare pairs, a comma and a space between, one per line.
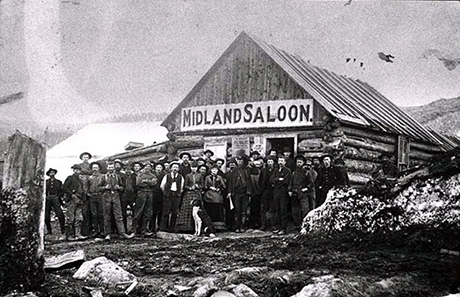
172, 186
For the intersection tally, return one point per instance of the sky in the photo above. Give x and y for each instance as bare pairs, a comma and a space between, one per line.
83, 59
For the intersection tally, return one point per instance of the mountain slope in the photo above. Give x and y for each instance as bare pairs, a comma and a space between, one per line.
442, 115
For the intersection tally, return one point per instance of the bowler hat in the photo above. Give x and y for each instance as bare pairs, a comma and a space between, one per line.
286, 149
185, 153
208, 151
85, 153
51, 170
76, 166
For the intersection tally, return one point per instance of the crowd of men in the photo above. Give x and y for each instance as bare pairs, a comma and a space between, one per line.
254, 192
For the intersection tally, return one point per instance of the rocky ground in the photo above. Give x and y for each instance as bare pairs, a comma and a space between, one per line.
400, 264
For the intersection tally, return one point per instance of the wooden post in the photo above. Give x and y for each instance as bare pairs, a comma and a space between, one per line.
22, 215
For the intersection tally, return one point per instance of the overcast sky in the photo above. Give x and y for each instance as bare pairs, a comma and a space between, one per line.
119, 56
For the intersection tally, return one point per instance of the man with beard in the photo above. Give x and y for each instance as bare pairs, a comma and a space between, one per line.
111, 187
239, 191
300, 187
94, 196
184, 168
280, 182
328, 177
266, 201
172, 186
145, 183
125, 200
73, 189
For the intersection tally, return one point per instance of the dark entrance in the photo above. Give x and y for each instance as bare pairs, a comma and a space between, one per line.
279, 144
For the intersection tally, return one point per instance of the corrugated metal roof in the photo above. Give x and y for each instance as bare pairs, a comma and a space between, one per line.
347, 99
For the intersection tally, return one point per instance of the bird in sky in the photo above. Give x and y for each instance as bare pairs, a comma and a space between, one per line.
348, 60
386, 58
347, 3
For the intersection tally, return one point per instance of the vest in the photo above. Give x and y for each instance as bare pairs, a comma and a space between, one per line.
169, 181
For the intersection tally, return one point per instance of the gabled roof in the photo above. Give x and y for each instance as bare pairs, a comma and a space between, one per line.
346, 99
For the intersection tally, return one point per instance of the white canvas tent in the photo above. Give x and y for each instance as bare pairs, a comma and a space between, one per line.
101, 140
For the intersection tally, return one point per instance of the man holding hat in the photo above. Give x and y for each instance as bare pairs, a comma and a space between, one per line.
54, 193
73, 189
300, 187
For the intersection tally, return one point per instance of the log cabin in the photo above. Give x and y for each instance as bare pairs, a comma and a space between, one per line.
259, 97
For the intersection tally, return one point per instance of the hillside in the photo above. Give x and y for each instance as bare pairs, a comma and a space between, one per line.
442, 115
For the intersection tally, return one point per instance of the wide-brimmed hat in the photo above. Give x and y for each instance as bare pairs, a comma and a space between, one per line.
119, 162
85, 153
76, 166
205, 166
174, 162
270, 157
159, 163
219, 159
51, 170
137, 162
185, 153
231, 160
287, 149
300, 157
208, 151
92, 163
194, 164
254, 153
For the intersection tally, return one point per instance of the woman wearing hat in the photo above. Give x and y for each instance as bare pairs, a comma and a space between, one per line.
194, 183
214, 200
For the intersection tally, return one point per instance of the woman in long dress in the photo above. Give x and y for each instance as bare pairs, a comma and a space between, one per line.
194, 182
213, 199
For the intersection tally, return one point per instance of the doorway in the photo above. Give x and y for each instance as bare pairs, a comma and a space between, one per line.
280, 143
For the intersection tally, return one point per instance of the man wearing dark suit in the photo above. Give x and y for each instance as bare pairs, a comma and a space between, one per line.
54, 194
73, 189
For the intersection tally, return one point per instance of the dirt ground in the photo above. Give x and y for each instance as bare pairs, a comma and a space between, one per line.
403, 264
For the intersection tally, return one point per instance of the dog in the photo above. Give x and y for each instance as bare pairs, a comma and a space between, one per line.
201, 219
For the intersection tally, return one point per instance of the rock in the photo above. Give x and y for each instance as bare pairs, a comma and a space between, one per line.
222, 293
325, 287
204, 290
252, 272
182, 288
323, 278
174, 236
244, 291
103, 270
66, 260
171, 293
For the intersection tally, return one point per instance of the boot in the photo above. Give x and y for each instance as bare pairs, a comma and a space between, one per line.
78, 233
68, 234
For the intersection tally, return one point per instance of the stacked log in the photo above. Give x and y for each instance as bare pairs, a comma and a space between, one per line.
22, 215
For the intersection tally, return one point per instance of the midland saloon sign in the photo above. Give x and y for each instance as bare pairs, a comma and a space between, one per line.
280, 113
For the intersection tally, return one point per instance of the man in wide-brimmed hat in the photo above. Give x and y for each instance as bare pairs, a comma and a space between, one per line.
85, 165
143, 211
184, 167
73, 189
54, 194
